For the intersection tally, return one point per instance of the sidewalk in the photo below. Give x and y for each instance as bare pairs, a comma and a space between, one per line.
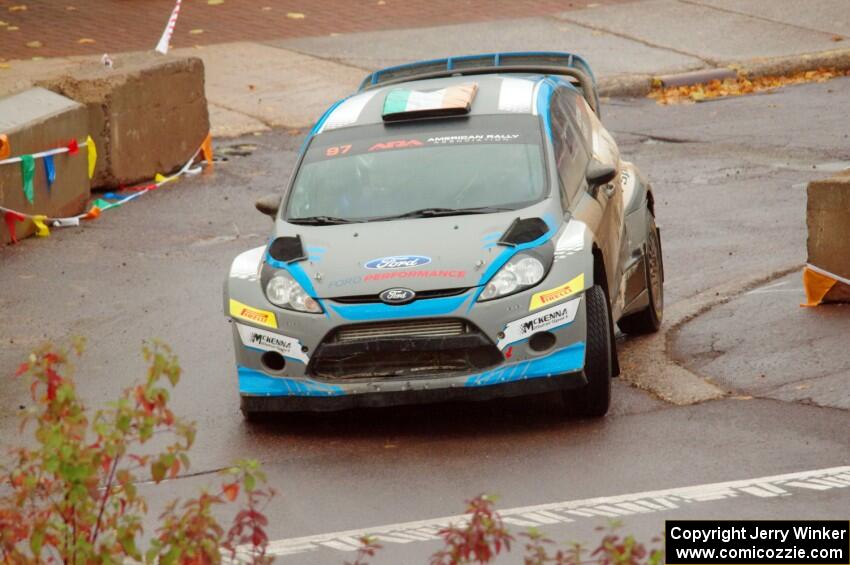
283, 75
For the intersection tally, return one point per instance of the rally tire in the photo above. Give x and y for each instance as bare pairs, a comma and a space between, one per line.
593, 399
648, 320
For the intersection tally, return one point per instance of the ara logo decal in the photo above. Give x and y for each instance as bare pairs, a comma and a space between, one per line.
396, 144
397, 262
397, 296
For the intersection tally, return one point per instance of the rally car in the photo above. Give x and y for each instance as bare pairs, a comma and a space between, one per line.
461, 228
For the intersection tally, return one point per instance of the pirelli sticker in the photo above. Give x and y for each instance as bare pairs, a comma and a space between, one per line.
253, 315
545, 320
546, 297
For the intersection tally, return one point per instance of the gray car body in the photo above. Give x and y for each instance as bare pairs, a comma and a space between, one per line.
597, 234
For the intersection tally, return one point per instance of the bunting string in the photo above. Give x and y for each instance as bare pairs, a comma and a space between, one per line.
72, 148
41, 222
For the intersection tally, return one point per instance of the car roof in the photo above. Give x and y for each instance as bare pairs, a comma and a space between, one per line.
509, 93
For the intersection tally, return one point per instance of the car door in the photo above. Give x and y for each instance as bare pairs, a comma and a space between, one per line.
601, 208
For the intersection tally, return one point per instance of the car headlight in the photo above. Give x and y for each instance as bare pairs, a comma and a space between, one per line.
282, 290
520, 272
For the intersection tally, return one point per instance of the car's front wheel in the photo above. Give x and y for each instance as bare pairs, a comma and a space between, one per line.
593, 399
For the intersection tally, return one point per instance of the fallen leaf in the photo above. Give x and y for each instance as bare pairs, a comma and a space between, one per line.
381, 3
85, 40
18, 8
802, 387
837, 38
34, 44
215, 2
742, 397
295, 15
36, 58
266, 8
3, 24
739, 86
196, 32
252, 87
5, 66
12, 28
71, 8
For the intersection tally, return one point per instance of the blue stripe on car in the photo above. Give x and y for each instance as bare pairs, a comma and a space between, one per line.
564, 360
257, 383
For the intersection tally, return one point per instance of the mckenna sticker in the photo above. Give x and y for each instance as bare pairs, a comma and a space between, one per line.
270, 341
255, 315
544, 320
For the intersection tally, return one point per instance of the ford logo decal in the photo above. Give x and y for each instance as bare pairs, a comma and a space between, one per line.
397, 296
398, 262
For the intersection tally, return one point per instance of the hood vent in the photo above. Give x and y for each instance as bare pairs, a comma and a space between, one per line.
287, 249
523, 231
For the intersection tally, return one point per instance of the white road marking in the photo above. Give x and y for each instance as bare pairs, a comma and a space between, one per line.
558, 512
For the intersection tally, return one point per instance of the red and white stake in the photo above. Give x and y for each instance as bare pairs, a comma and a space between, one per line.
162, 46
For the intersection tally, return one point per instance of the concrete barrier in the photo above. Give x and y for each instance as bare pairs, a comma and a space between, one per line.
35, 120
828, 220
147, 113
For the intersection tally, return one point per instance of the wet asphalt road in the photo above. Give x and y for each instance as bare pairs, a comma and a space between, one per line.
729, 178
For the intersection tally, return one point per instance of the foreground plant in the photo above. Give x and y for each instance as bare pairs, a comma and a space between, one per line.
481, 537
73, 498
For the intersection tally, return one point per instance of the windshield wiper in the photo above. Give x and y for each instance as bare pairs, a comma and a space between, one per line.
319, 221
435, 212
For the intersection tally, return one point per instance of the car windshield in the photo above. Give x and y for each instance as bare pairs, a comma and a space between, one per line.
420, 169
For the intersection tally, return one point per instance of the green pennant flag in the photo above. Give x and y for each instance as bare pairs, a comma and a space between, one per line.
27, 172
101, 203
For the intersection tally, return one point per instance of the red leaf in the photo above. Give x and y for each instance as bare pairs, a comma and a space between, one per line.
231, 491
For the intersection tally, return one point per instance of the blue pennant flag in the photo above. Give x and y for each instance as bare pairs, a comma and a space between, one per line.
49, 171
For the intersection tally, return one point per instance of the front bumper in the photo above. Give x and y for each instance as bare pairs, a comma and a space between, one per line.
517, 369
273, 394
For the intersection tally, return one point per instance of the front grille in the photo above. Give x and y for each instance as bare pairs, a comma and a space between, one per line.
383, 330
422, 294
400, 349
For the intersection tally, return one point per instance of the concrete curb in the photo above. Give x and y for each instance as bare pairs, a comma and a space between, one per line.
647, 363
634, 86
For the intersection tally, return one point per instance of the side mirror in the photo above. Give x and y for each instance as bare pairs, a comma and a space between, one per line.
269, 204
599, 173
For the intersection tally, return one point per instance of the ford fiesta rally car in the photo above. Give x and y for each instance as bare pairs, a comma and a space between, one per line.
458, 228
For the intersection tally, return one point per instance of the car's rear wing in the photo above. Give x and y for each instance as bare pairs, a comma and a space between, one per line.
544, 62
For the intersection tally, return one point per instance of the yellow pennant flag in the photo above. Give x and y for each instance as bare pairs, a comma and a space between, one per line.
162, 179
92, 155
41, 229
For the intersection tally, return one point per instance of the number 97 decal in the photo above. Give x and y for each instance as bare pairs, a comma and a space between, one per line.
337, 150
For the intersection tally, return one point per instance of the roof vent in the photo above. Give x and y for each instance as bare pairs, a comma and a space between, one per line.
407, 104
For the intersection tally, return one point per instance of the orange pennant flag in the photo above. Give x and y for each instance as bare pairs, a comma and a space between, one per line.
206, 150
816, 286
92, 214
5, 148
